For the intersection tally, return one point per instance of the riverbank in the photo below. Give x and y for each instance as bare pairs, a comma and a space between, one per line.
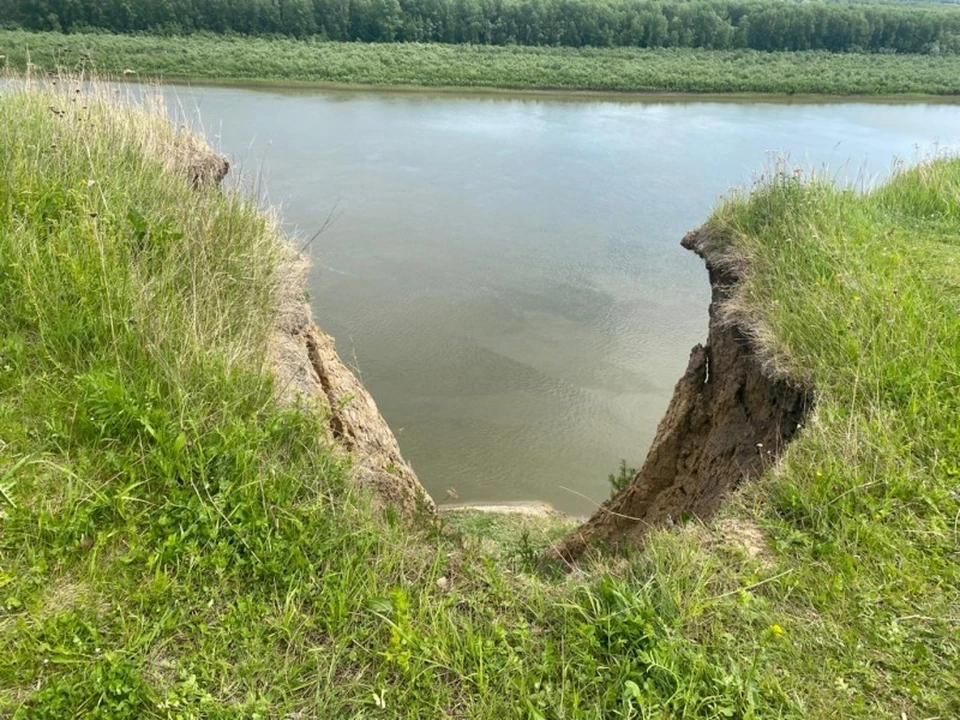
176, 543
614, 70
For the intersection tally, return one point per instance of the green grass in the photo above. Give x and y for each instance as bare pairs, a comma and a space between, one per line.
175, 544
511, 537
464, 66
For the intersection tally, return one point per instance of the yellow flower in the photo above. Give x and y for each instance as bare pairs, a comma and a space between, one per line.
819, 474
776, 630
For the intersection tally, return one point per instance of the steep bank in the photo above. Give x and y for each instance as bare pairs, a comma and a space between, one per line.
308, 369
176, 543
729, 419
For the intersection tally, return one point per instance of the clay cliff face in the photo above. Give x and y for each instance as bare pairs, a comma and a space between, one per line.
309, 371
728, 420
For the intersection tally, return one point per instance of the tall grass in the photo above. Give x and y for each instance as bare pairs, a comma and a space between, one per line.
860, 295
175, 544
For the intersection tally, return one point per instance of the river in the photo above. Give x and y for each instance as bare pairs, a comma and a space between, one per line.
505, 273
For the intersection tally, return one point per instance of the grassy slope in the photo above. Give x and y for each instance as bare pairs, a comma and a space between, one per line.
616, 69
173, 544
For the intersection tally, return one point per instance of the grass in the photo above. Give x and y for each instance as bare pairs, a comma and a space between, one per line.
175, 544
509, 536
210, 57
860, 295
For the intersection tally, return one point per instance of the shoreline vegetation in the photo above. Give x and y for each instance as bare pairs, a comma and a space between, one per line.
473, 68
175, 543
927, 28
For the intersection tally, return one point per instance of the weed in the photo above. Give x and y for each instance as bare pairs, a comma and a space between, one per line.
622, 478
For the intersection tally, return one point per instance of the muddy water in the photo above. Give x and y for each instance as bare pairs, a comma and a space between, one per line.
505, 273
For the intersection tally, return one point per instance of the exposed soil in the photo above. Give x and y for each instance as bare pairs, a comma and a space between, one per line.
193, 158
309, 371
728, 421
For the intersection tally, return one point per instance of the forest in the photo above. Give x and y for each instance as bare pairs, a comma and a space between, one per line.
710, 24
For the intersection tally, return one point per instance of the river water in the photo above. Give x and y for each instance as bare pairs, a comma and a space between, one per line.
505, 272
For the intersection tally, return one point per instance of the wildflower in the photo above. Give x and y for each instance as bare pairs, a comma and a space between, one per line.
776, 630
819, 474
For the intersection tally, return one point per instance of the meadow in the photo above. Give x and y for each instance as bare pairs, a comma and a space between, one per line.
680, 70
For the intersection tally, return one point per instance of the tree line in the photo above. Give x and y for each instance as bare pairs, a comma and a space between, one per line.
717, 24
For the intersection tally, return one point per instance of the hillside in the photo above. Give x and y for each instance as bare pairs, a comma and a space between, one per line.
178, 541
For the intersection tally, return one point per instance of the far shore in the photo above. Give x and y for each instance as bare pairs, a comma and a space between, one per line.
621, 73
638, 96
556, 94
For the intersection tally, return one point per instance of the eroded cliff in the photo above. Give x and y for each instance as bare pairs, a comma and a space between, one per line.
728, 420
309, 371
